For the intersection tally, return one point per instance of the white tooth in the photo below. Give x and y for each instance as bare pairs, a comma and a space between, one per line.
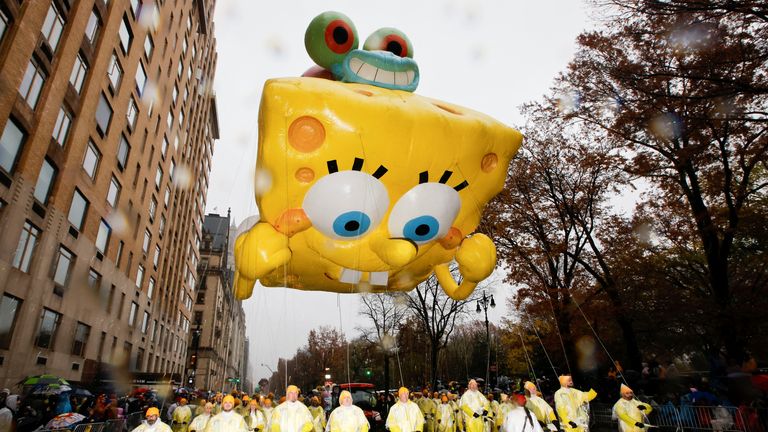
350, 276
401, 78
411, 75
379, 278
367, 72
385, 77
355, 64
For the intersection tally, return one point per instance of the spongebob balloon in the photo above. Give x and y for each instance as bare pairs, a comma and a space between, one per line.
372, 187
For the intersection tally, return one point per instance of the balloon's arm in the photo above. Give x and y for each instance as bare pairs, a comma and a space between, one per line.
476, 257
258, 252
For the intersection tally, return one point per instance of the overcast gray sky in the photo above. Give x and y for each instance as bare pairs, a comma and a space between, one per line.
487, 55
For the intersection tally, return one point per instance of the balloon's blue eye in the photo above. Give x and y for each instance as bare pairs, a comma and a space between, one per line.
351, 224
422, 228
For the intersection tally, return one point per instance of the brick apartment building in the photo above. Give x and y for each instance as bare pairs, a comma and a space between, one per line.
107, 128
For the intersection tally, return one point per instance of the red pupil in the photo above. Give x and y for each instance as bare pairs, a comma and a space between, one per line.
395, 48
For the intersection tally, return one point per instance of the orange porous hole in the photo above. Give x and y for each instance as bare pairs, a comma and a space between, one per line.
305, 175
306, 134
489, 162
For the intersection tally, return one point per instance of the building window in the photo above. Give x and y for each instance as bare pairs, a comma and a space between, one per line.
9, 311
61, 128
79, 70
119, 253
32, 84
3, 24
122, 153
169, 120
151, 288
63, 267
154, 331
91, 160
172, 171
135, 5
141, 79
145, 323
114, 72
161, 226
140, 359
52, 27
164, 147
82, 332
92, 28
152, 209
167, 197
45, 181
132, 314
156, 259
10, 145
125, 35
94, 280
175, 93
139, 276
102, 238
181, 119
147, 241
30, 235
49, 323
149, 46
113, 194
77, 210
158, 177
103, 115
132, 113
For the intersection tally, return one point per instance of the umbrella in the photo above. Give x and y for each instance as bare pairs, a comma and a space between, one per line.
51, 389
82, 392
44, 379
64, 420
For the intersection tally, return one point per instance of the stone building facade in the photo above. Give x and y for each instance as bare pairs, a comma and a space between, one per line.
107, 129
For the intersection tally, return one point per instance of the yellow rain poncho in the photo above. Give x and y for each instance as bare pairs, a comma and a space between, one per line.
429, 411
630, 412
447, 418
227, 421
472, 405
347, 418
405, 416
573, 407
291, 417
182, 415
318, 418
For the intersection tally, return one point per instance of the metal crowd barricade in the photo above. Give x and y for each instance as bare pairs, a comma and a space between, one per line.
688, 418
117, 425
90, 427
134, 419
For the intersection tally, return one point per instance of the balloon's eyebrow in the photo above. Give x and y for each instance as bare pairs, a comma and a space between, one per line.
332, 166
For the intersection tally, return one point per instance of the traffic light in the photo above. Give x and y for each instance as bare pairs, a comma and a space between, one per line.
368, 373
193, 361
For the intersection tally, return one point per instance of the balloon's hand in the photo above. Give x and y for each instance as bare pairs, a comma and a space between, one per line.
258, 252
476, 256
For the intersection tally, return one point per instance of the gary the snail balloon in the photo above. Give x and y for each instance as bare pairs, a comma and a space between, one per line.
373, 188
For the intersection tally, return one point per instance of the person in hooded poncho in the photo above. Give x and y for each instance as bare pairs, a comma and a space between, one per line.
475, 408
405, 415
227, 420
630, 412
201, 420
520, 418
152, 422
573, 406
544, 413
291, 415
254, 418
446, 417
347, 417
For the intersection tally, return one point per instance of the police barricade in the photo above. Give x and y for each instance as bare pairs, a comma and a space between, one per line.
669, 418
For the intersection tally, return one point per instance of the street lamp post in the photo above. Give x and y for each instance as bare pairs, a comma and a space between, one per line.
486, 301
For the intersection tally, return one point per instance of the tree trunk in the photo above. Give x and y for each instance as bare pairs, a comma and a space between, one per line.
634, 355
434, 352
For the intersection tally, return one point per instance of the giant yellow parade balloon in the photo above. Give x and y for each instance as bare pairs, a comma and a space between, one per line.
373, 188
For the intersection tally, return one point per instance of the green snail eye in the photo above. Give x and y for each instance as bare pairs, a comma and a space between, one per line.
389, 39
329, 37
